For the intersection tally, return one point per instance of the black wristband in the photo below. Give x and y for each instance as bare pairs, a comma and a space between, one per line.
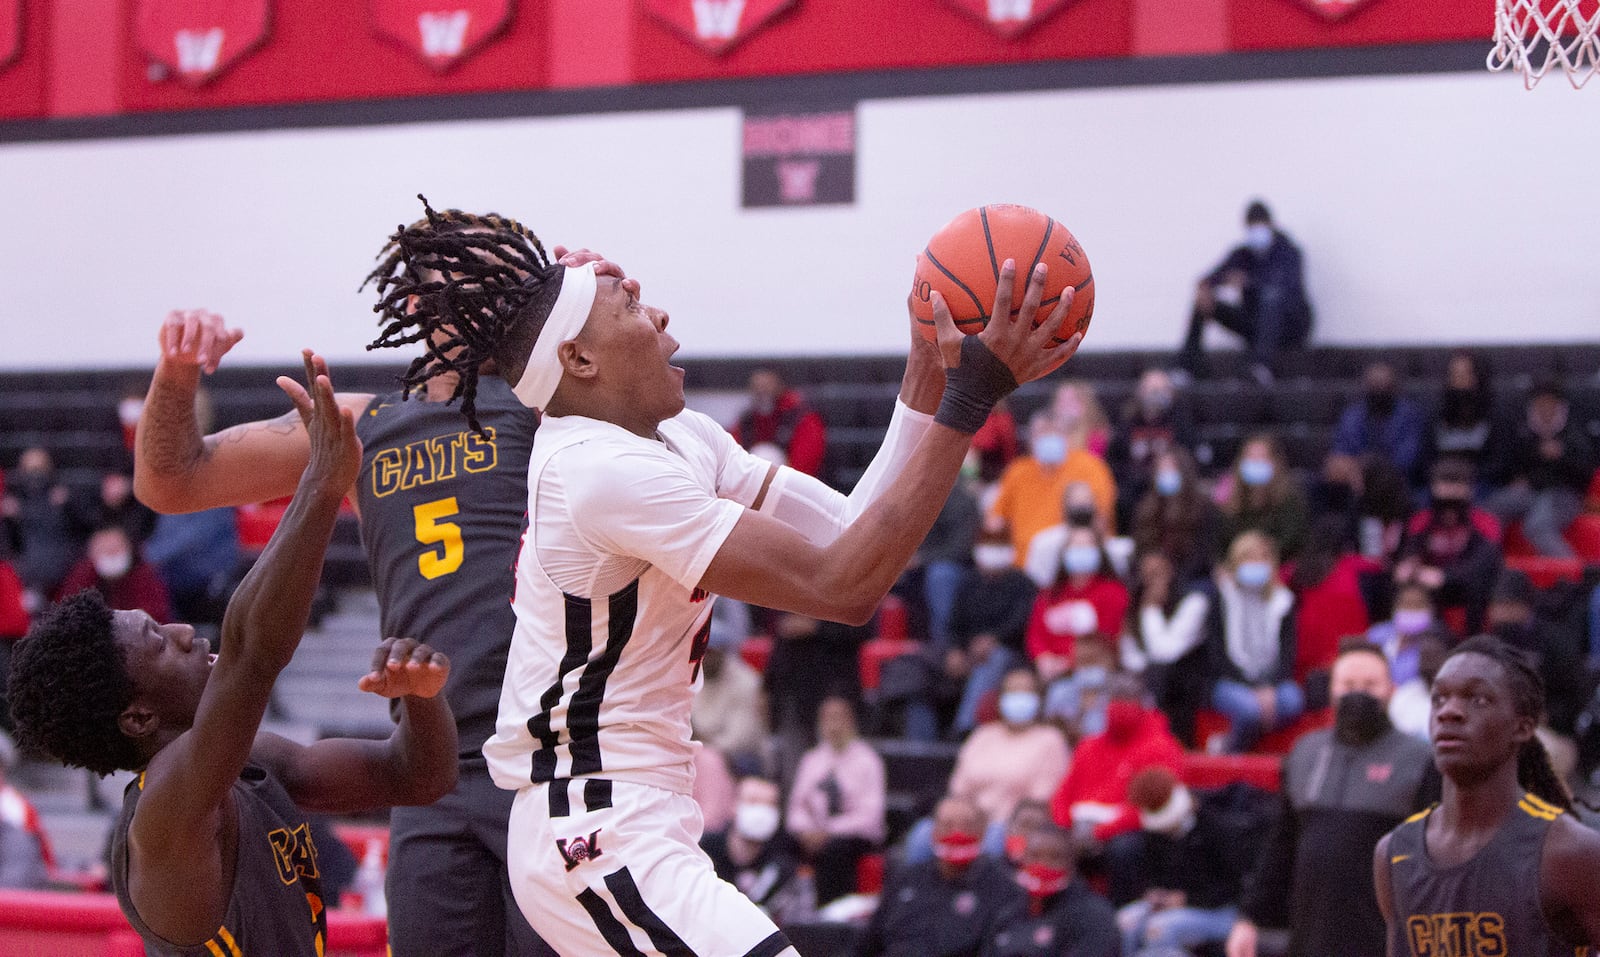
972, 388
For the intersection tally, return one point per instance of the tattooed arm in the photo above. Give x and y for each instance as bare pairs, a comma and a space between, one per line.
176, 469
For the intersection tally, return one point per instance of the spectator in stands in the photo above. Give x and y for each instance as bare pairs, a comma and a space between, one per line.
1155, 420
23, 859
1016, 757
1043, 561
1383, 425
1448, 548
988, 625
1516, 617
1065, 918
1329, 581
1549, 465
36, 504
130, 406
1030, 490
730, 713
1258, 293
756, 856
1077, 701
1263, 496
1187, 872
114, 504
114, 568
1085, 598
1412, 704
945, 557
1093, 798
1465, 426
836, 806
1077, 410
950, 905
995, 443
1028, 817
1343, 788
1176, 517
198, 556
780, 416
1251, 636
1165, 639
1413, 623
810, 660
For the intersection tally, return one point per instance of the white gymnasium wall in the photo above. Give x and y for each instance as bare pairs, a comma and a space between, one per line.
1431, 208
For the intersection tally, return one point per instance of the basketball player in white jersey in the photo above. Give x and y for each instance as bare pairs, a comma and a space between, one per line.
639, 512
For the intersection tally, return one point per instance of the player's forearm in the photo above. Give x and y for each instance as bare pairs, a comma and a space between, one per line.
423, 751
168, 443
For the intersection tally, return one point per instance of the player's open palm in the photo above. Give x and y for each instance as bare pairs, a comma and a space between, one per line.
405, 666
1028, 351
335, 450
196, 337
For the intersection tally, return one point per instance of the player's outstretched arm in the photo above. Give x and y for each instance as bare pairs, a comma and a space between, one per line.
177, 835
416, 765
1569, 875
177, 469
766, 562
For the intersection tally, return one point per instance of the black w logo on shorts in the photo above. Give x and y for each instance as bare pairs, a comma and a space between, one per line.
579, 849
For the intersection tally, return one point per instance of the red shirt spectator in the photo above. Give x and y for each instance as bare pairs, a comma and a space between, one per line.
996, 443
1094, 796
113, 567
13, 617
1328, 611
780, 416
1068, 609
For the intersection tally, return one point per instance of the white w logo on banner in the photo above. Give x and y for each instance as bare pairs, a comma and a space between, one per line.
198, 50
1001, 11
443, 34
717, 19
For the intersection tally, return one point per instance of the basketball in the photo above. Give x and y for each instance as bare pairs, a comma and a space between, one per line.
962, 261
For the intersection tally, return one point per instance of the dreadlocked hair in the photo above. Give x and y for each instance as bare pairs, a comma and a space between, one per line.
68, 686
1535, 773
471, 275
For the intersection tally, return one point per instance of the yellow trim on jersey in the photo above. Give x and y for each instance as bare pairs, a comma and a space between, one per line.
1539, 813
227, 938
211, 945
1419, 815
1399, 857
141, 780
1540, 802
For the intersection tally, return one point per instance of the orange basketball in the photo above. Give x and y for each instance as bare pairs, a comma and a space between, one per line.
963, 260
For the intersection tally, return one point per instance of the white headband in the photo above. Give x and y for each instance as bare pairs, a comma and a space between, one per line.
542, 373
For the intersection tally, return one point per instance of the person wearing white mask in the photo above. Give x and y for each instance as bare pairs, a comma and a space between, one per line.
1177, 517
1261, 494
112, 566
1156, 419
1250, 631
1029, 496
1258, 293
757, 857
1401, 636
987, 624
1085, 598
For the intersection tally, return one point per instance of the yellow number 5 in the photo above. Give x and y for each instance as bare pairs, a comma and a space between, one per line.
431, 531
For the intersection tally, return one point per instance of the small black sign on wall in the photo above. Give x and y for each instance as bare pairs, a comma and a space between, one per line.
799, 158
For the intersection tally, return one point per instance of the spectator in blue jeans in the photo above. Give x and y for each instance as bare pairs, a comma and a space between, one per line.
1250, 634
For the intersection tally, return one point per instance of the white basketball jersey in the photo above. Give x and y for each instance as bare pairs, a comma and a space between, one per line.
610, 627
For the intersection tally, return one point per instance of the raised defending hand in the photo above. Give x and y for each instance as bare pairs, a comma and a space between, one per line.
572, 258
335, 450
405, 666
195, 337
1010, 335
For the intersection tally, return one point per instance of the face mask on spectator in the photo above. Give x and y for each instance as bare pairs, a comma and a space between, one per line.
1050, 449
993, 557
1255, 471
1253, 575
1156, 400
1081, 516
1258, 237
1451, 511
1359, 717
1169, 481
756, 822
1411, 621
957, 847
1016, 846
1019, 707
113, 566
1123, 718
1081, 560
1042, 880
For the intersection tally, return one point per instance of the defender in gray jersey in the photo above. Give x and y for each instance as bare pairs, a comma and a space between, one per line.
640, 512
1498, 868
211, 856
441, 510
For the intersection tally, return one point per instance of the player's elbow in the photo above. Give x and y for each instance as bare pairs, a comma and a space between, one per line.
429, 788
158, 495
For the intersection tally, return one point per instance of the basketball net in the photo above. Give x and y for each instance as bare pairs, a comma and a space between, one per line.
1535, 37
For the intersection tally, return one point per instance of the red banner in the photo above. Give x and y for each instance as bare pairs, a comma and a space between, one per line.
197, 39
440, 32
10, 31
1009, 18
1333, 9
716, 25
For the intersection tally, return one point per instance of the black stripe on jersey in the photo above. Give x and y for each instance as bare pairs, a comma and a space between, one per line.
597, 793
560, 801
579, 614
636, 910
583, 712
775, 944
610, 928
